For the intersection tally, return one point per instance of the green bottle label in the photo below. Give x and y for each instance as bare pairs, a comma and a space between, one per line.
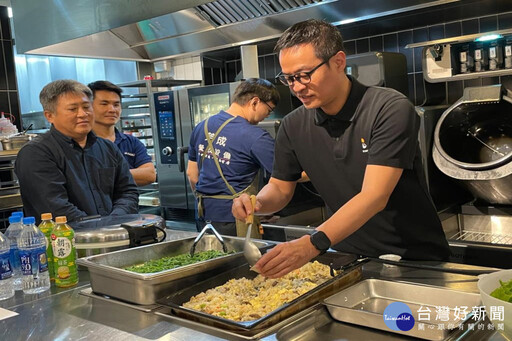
64, 253
46, 227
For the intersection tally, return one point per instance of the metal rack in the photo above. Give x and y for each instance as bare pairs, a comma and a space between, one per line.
149, 199
483, 237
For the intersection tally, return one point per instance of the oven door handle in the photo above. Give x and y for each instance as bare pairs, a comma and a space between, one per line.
181, 158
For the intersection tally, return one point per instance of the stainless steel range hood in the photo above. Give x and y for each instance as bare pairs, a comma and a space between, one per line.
154, 30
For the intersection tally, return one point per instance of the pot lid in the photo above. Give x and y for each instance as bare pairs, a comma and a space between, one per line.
108, 229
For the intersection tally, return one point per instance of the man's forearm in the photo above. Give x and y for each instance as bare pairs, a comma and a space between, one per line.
274, 197
144, 175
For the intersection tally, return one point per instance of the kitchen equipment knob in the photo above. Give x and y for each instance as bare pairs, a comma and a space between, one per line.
167, 151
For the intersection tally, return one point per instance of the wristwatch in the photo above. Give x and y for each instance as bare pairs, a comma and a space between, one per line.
320, 241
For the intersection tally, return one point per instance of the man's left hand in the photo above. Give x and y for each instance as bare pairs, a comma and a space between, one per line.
286, 257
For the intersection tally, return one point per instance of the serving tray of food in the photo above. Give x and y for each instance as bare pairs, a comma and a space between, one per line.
143, 274
241, 301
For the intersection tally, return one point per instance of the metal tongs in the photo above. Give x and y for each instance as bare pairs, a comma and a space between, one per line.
251, 251
208, 226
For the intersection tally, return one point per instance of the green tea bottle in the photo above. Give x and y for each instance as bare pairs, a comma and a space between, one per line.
64, 254
46, 227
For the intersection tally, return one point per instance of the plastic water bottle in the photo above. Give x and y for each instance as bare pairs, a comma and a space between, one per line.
6, 280
34, 263
13, 233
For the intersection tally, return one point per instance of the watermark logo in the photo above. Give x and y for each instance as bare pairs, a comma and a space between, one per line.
398, 316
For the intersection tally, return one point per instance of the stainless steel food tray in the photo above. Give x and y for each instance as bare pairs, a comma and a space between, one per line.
364, 304
109, 278
351, 273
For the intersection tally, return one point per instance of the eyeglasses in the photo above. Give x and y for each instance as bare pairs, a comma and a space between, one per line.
302, 77
270, 109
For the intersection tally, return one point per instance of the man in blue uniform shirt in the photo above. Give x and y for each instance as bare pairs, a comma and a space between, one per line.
107, 112
68, 171
226, 152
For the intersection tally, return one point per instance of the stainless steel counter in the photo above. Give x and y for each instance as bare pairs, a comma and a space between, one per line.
65, 314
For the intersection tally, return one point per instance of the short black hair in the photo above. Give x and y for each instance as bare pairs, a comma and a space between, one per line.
51, 92
104, 85
325, 38
256, 87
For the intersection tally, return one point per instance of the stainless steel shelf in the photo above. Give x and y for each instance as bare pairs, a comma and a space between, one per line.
457, 40
157, 83
483, 237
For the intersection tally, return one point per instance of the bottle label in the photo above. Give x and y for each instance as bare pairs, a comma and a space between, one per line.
508, 50
478, 54
33, 260
62, 247
5, 266
463, 58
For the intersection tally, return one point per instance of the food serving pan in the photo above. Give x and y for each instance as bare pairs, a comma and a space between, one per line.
108, 276
436, 311
350, 274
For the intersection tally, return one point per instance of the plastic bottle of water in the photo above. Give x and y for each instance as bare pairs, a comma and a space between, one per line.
34, 263
6, 280
13, 233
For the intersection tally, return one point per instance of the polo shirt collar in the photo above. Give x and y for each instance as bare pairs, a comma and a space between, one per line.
349, 108
91, 137
119, 136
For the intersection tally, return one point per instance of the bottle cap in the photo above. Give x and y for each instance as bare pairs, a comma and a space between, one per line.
17, 213
61, 220
46, 216
29, 220
14, 219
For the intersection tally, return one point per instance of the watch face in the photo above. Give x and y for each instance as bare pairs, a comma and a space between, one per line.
320, 240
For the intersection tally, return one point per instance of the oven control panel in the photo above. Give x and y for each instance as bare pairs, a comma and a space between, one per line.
166, 126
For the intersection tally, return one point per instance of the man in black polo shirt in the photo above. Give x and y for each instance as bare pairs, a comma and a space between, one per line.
360, 149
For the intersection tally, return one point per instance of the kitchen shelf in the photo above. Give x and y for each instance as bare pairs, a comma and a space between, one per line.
457, 40
143, 137
158, 83
142, 95
440, 58
136, 127
484, 237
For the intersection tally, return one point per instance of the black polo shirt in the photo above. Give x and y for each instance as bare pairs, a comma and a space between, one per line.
376, 126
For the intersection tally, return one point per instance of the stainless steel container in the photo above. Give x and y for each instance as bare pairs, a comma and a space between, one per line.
111, 233
365, 304
16, 142
473, 143
108, 276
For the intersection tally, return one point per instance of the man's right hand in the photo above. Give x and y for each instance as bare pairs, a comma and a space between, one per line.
242, 207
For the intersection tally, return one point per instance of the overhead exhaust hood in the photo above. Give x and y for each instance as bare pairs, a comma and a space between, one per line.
153, 30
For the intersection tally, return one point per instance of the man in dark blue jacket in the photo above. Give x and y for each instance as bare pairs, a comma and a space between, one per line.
68, 171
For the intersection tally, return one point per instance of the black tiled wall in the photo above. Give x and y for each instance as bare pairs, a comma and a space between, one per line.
9, 99
393, 33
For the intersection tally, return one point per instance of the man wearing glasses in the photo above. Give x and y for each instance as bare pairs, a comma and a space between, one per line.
226, 152
359, 147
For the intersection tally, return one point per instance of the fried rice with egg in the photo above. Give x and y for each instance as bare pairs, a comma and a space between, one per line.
250, 299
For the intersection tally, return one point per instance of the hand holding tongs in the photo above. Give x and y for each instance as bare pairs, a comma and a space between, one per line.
201, 234
251, 251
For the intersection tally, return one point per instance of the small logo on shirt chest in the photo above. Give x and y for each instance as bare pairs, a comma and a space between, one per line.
364, 146
129, 154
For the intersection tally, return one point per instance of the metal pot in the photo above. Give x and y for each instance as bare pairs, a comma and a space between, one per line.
112, 233
473, 143
17, 141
